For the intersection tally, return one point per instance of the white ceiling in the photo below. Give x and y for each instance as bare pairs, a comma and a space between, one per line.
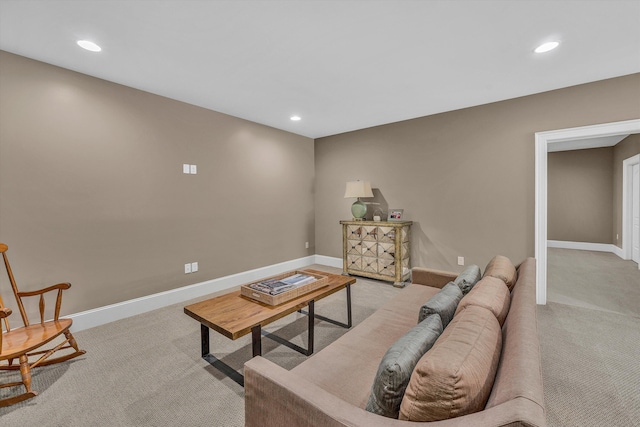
340, 65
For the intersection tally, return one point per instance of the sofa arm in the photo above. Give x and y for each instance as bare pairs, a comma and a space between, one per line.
275, 397
431, 277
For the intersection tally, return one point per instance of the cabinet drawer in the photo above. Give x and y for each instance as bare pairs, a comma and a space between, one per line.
370, 233
354, 232
369, 249
354, 247
386, 250
369, 264
387, 267
354, 262
386, 234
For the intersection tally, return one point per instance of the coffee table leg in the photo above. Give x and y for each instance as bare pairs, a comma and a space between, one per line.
256, 340
307, 352
335, 322
204, 339
214, 361
349, 320
310, 328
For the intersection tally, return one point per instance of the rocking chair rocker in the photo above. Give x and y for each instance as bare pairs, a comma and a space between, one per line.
25, 341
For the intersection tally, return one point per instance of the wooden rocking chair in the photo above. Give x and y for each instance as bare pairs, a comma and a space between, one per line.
26, 341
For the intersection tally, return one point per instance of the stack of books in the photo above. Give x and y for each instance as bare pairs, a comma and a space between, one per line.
278, 286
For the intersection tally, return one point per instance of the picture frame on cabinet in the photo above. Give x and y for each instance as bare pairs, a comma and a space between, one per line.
396, 215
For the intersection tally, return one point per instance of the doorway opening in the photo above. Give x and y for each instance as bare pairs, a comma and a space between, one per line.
631, 209
543, 142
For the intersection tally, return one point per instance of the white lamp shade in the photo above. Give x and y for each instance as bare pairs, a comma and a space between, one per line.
358, 189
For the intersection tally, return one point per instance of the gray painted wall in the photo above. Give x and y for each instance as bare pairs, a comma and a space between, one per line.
92, 190
580, 195
581, 182
466, 177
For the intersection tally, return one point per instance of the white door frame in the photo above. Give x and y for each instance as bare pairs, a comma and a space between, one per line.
627, 198
542, 141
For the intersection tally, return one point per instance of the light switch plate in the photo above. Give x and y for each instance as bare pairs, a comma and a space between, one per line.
194, 169
187, 268
186, 168
194, 267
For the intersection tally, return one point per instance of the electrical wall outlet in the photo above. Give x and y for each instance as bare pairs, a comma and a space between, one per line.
189, 169
190, 267
306, 245
460, 260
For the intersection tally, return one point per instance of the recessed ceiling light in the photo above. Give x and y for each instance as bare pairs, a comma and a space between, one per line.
86, 44
546, 47
296, 118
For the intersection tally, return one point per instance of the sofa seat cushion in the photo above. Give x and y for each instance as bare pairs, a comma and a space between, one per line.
444, 304
468, 278
490, 293
346, 368
502, 268
455, 377
397, 365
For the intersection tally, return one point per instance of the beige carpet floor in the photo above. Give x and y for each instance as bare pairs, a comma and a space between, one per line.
590, 368
590, 339
147, 370
597, 280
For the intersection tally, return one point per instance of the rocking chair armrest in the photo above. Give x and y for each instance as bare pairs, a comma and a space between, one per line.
59, 286
4, 312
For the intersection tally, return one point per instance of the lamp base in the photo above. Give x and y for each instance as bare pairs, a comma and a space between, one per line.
358, 210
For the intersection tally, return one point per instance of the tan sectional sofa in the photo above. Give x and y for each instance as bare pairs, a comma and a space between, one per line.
332, 387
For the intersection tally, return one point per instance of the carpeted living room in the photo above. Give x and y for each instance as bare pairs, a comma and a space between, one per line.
204, 145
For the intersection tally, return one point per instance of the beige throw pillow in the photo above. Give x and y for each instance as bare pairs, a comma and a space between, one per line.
490, 293
502, 268
455, 377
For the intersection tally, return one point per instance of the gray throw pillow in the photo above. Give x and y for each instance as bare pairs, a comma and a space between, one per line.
468, 278
444, 303
396, 367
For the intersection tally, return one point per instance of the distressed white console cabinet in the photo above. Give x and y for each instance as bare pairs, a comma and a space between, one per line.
377, 249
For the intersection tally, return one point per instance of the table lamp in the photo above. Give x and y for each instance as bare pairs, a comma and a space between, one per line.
358, 189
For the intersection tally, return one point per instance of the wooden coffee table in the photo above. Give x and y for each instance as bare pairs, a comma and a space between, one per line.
234, 315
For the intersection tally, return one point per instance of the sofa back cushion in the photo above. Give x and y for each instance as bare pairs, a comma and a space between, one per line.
502, 268
444, 304
490, 293
468, 278
397, 364
455, 377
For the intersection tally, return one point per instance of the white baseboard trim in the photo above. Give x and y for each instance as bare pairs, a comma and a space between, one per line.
329, 261
618, 251
585, 246
102, 315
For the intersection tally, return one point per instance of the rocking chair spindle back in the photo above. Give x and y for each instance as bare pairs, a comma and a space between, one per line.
26, 342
